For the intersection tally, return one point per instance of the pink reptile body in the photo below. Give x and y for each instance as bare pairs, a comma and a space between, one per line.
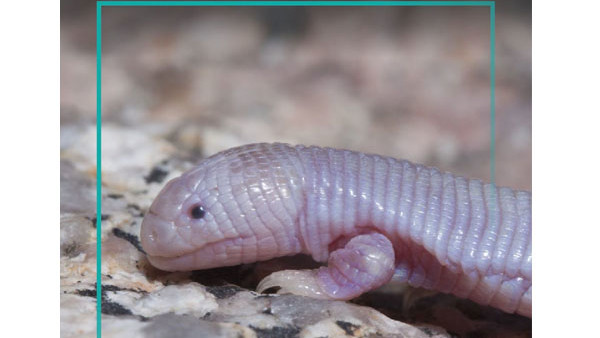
373, 219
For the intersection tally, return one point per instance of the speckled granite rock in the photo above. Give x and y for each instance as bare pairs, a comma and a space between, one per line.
141, 301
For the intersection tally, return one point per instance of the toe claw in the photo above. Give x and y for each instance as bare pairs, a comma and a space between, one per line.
266, 283
298, 282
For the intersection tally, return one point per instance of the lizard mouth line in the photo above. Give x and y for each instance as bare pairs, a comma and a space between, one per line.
210, 255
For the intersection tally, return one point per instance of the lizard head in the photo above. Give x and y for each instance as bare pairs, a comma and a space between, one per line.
237, 206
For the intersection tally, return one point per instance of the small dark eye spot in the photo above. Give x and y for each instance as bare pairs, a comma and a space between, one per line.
197, 212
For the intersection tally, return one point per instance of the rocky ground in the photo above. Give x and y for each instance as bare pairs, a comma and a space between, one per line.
183, 83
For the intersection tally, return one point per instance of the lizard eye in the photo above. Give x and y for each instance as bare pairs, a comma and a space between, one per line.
197, 211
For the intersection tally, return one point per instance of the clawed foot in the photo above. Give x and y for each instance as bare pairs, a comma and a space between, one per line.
365, 263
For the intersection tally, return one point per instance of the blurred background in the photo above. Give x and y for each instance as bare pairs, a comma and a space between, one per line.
408, 82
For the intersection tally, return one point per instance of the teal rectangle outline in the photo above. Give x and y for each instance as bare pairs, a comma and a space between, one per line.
299, 3
100, 4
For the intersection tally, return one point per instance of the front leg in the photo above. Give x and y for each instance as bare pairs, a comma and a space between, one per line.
364, 263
